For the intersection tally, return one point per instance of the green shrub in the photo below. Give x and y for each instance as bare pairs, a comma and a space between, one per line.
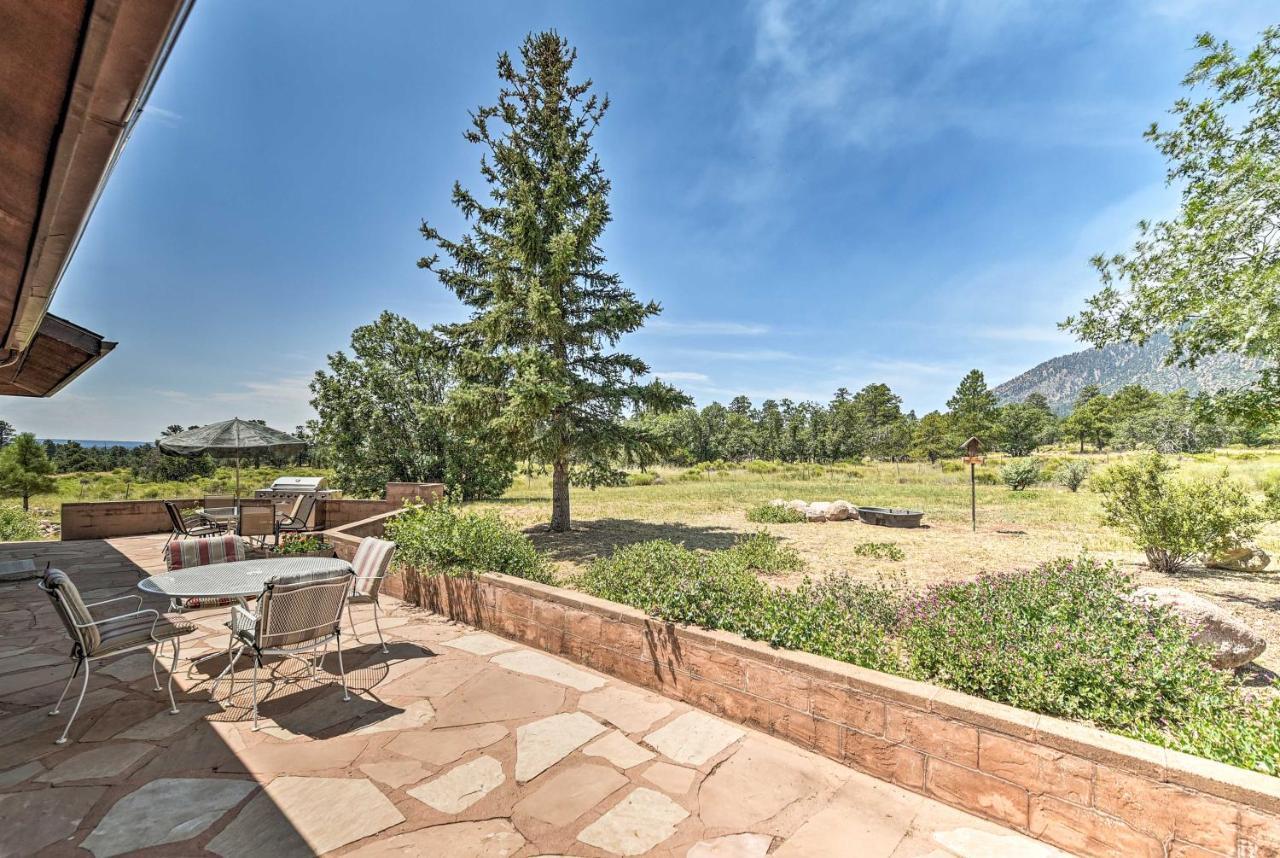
764, 553
302, 544
17, 525
1020, 473
719, 590
1066, 640
440, 538
769, 514
880, 551
951, 466
762, 466
1073, 474
1174, 520
643, 479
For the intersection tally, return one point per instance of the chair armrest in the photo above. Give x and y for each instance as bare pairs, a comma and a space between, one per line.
134, 596
246, 613
155, 618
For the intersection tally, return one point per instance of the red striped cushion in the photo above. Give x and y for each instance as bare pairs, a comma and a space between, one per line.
185, 553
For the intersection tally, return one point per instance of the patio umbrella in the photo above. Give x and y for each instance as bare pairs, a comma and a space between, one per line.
231, 438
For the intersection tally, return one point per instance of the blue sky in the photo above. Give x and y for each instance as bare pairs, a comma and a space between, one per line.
819, 194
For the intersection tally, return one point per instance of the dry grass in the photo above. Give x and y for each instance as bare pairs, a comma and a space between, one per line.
1016, 530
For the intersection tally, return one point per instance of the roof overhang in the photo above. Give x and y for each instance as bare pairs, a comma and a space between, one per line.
74, 75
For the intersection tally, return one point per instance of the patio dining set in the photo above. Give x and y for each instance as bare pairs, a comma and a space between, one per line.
284, 607
221, 515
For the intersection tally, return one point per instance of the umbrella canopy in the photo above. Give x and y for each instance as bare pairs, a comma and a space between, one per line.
232, 438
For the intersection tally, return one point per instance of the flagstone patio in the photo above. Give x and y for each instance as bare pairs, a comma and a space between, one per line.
455, 743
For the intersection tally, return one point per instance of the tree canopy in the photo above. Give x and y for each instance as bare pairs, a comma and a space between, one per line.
1209, 276
537, 357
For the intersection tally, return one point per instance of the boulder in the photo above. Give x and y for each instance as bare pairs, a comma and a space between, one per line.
815, 515
798, 505
840, 510
777, 502
1242, 558
1233, 643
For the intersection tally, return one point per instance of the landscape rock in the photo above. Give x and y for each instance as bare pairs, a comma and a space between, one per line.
815, 515
1234, 644
840, 510
777, 502
797, 505
1242, 558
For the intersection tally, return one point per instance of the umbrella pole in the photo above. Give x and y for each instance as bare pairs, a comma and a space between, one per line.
237, 477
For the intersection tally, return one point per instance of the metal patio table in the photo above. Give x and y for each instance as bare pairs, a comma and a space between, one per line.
239, 579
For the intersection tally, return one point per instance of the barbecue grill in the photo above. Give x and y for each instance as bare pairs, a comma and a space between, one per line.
291, 488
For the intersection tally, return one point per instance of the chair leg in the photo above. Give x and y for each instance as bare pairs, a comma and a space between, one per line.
378, 626
351, 618
74, 712
75, 671
346, 695
256, 660
173, 670
155, 657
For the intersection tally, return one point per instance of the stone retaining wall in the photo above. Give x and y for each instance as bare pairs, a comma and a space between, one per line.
1084, 790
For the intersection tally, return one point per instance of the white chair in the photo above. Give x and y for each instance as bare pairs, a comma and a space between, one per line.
372, 560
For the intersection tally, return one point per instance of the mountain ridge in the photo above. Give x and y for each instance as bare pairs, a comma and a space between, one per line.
1112, 367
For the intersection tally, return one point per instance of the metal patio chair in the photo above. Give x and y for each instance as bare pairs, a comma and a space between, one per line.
196, 525
372, 560
297, 615
96, 639
203, 551
298, 519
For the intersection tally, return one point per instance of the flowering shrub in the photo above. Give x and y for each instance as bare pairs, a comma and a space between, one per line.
302, 544
439, 538
1065, 640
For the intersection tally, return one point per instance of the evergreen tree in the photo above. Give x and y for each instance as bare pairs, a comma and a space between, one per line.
25, 470
541, 377
933, 438
6, 433
973, 406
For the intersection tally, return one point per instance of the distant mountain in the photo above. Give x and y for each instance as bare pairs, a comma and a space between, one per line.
87, 443
1111, 368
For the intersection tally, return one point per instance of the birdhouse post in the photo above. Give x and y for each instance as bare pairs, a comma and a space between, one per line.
973, 457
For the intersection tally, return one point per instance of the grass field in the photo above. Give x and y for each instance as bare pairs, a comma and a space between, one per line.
1016, 530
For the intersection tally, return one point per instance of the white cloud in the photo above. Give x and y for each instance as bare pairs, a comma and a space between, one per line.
680, 375
161, 116
739, 355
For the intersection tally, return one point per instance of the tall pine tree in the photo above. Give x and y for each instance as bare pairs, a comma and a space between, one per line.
537, 352
973, 406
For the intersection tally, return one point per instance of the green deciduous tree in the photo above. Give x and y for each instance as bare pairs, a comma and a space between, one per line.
1210, 276
384, 416
541, 376
1019, 428
25, 470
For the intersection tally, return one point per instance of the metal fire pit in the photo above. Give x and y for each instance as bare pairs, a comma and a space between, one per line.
886, 517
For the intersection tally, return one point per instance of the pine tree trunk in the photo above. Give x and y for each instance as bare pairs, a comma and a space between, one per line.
26, 503
560, 496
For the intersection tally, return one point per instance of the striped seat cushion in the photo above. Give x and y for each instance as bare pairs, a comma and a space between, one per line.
205, 551
372, 559
131, 631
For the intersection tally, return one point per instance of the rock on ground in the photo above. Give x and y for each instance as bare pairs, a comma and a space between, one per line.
840, 510
1243, 558
1234, 644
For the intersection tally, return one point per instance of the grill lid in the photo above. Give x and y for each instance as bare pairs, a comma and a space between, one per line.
298, 485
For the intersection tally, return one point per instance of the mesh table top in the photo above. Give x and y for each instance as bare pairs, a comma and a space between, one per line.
241, 578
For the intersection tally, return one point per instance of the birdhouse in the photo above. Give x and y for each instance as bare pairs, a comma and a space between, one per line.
973, 451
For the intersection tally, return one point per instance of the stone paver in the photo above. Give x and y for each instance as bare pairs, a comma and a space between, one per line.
443, 746
320, 814
693, 738
168, 810
673, 779
636, 824
496, 695
462, 786
545, 667
632, 711
489, 748
489, 838
107, 761
568, 794
542, 744
619, 750
481, 643
732, 846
